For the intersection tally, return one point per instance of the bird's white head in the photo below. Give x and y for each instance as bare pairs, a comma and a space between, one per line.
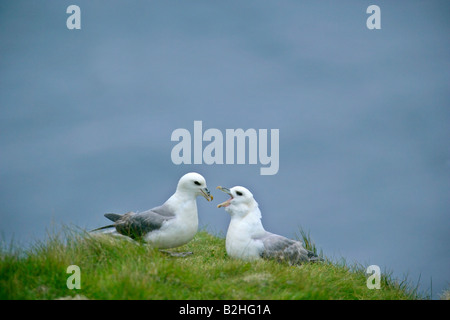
194, 183
240, 203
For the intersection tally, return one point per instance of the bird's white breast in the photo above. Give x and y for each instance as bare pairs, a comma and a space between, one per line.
179, 230
239, 242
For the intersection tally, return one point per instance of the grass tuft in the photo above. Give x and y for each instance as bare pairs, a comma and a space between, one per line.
116, 268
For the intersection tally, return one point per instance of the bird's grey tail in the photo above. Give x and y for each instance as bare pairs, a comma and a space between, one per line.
113, 216
105, 227
314, 257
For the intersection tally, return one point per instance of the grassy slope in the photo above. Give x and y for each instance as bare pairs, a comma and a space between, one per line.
119, 269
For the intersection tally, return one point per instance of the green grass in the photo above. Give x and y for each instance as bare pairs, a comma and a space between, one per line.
113, 268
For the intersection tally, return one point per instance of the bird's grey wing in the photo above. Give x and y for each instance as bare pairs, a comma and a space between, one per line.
164, 211
136, 225
283, 249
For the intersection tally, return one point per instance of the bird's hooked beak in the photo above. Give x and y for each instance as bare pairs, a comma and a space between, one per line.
205, 193
227, 191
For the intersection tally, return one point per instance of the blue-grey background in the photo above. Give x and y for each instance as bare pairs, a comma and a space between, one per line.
86, 118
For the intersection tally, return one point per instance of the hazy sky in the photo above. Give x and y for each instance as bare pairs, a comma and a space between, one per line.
86, 118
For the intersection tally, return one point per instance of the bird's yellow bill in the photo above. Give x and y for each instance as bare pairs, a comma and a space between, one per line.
207, 195
226, 203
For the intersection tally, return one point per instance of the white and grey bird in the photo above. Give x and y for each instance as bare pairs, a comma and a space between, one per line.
248, 240
170, 225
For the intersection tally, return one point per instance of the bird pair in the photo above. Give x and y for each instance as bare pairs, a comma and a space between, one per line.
175, 223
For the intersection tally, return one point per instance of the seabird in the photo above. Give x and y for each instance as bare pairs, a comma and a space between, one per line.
170, 225
248, 240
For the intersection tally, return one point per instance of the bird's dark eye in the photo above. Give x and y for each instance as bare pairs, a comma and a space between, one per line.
239, 193
197, 183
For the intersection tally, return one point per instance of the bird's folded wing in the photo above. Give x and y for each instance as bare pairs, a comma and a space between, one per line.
284, 249
136, 225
